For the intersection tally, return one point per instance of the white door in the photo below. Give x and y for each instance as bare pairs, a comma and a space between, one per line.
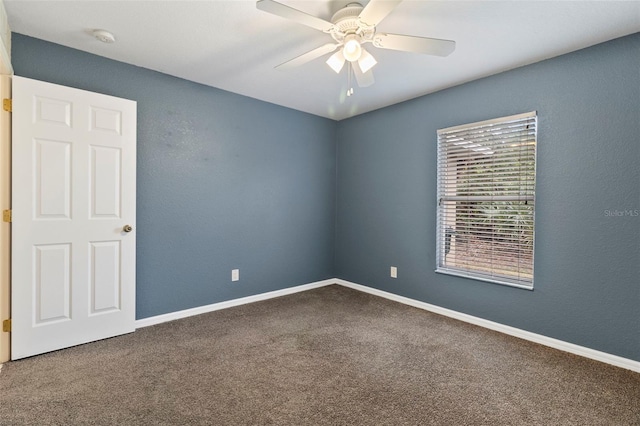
73, 193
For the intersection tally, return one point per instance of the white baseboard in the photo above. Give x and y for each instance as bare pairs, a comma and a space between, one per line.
145, 322
512, 331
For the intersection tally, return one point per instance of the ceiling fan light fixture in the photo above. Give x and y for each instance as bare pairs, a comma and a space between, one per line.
352, 49
366, 61
336, 61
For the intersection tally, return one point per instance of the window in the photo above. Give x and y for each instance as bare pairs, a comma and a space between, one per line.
486, 200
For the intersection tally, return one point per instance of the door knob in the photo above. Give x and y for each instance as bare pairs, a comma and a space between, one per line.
127, 228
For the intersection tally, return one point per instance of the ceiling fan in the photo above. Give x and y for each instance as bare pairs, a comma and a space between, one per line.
351, 27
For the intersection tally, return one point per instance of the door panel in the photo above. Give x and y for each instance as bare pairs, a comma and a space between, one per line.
74, 180
105, 276
105, 182
52, 279
52, 111
52, 178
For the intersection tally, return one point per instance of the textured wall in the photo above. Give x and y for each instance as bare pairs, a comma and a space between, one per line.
228, 182
587, 259
224, 182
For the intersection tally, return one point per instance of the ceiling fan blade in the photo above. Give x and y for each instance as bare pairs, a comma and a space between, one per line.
364, 79
284, 11
309, 56
405, 43
376, 11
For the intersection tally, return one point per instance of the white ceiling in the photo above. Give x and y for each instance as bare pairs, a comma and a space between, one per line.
233, 46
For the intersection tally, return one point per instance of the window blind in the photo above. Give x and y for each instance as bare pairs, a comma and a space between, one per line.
486, 200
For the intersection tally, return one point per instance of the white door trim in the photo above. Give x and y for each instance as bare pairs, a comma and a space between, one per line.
5, 181
5, 228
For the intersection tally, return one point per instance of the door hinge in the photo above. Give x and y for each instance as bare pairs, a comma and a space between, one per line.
6, 215
6, 326
7, 105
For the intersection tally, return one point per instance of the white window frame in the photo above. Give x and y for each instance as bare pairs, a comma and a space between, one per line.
481, 155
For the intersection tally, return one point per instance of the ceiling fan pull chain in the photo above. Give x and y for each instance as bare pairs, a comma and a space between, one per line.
349, 79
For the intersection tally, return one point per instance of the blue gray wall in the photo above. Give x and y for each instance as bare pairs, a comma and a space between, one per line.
224, 182
587, 259
229, 182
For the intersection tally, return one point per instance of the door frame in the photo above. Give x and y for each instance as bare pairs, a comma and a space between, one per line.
6, 70
5, 203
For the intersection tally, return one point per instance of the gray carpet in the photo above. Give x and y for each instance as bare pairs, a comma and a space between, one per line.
331, 356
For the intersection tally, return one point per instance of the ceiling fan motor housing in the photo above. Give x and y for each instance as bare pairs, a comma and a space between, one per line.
347, 22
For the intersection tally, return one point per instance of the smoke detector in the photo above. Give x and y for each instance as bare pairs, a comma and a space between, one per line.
104, 36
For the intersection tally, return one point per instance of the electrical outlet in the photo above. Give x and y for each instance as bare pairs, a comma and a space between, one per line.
394, 272
235, 275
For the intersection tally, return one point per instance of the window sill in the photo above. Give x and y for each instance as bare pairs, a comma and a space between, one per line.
488, 280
